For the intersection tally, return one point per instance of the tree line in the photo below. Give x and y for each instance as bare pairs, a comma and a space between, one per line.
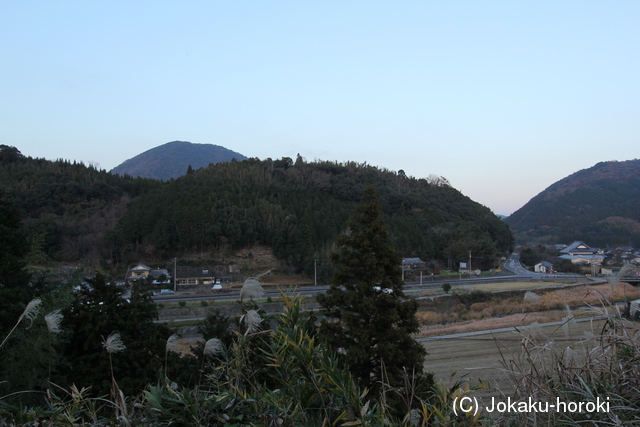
299, 209
74, 212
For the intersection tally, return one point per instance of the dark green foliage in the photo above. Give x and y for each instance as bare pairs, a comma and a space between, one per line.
599, 205
14, 290
9, 154
67, 207
217, 325
75, 212
98, 311
532, 255
289, 379
446, 288
368, 315
299, 209
32, 354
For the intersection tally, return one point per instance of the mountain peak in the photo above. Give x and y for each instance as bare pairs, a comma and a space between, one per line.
582, 206
172, 159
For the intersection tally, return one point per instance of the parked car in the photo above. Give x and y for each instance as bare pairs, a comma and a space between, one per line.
216, 287
166, 292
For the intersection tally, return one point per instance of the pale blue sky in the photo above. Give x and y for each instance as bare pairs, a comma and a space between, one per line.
502, 98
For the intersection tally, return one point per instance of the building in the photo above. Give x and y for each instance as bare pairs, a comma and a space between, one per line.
413, 264
580, 253
191, 278
544, 267
138, 272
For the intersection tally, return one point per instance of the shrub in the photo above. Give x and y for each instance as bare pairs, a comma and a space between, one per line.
479, 306
474, 296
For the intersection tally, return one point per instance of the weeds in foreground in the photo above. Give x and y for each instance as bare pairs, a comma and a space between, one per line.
286, 377
603, 366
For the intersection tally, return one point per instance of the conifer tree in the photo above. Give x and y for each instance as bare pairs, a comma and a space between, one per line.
369, 318
14, 247
99, 311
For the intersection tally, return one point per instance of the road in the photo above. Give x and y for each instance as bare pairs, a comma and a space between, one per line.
514, 265
512, 270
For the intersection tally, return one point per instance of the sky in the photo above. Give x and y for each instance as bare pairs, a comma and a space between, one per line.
502, 98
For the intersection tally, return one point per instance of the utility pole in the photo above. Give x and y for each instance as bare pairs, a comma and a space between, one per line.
469, 263
315, 272
175, 287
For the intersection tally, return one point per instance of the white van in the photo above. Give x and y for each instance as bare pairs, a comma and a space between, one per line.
166, 292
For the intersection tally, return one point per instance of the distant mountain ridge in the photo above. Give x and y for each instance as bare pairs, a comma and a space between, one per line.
599, 205
172, 160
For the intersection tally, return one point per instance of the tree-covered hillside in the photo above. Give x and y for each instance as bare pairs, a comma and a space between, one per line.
299, 209
73, 212
66, 206
599, 205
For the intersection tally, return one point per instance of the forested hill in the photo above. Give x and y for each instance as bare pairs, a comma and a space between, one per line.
66, 206
599, 205
77, 213
172, 160
299, 208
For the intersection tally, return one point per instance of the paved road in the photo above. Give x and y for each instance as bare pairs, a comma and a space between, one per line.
512, 270
514, 265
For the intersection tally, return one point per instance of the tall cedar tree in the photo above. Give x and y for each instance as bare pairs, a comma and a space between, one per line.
368, 315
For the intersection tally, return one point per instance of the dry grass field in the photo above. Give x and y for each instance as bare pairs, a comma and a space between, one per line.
482, 356
505, 286
457, 341
500, 312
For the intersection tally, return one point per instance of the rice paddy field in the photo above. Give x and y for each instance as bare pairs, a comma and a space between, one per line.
485, 341
482, 356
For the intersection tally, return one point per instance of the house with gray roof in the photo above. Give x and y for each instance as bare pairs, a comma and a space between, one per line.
580, 253
543, 267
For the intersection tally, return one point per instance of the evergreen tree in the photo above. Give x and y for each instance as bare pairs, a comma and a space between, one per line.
98, 311
15, 293
368, 316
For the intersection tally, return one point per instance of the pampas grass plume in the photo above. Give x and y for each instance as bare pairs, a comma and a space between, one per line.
172, 343
113, 343
252, 321
31, 311
53, 320
531, 297
570, 355
213, 347
251, 289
